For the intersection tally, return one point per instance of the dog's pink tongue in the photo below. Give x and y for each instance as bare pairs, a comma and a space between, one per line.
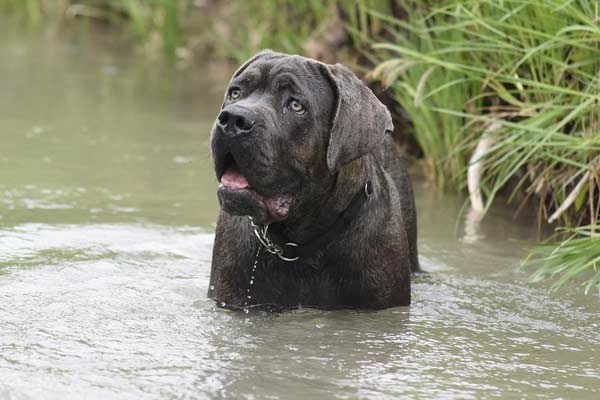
233, 178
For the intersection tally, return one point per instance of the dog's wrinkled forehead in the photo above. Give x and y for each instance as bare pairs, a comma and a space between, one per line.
302, 75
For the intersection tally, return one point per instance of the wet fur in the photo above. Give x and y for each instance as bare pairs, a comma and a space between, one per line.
369, 264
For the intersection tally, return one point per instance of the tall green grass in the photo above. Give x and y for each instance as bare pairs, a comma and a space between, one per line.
531, 70
287, 25
407, 65
283, 25
146, 19
161, 17
529, 65
570, 259
30, 9
235, 29
238, 29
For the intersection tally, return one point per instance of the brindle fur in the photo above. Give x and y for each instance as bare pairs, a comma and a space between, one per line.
325, 159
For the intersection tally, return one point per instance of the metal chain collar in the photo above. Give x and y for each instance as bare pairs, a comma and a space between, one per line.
260, 231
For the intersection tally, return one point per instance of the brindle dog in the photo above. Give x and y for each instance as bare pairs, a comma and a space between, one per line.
303, 151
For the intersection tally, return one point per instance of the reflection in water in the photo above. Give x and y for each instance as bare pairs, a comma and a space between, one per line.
473, 220
106, 211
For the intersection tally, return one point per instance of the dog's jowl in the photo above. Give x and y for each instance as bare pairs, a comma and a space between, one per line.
317, 208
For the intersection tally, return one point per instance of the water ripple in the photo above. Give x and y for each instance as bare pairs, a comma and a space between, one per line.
120, 312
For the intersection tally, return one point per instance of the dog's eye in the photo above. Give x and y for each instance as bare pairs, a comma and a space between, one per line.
234, 94
296, 106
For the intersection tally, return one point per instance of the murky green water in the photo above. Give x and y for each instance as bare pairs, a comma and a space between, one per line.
107, 208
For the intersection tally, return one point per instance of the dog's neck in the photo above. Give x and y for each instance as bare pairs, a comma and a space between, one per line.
316, 220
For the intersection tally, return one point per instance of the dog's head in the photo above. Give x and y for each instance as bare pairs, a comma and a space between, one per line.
286, 127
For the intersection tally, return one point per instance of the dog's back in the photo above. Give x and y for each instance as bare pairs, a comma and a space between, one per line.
396, 166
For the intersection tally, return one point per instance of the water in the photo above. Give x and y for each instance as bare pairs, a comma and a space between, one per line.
107, 210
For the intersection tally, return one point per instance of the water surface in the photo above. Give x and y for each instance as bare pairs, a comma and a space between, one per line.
107, 211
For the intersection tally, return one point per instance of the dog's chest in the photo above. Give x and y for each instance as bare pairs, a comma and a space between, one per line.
296, 283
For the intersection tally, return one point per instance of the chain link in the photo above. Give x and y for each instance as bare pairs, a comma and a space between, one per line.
261, 234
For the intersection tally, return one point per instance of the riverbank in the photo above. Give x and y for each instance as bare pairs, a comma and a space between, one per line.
488, 98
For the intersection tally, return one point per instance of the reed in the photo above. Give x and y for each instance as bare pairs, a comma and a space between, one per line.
575, 258
144, 18
31, 10
529, 69
282, 25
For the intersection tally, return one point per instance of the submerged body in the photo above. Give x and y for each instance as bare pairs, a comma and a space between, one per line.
295, 143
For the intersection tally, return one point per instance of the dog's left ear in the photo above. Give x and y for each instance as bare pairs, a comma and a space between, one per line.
360, 121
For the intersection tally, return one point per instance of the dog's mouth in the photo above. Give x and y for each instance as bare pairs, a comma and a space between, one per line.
238, 197
232, 176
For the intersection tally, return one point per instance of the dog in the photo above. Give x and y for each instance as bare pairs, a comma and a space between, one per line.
317, 208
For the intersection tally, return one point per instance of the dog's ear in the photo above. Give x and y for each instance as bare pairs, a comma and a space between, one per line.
360, 121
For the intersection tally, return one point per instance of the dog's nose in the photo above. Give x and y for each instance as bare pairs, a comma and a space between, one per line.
235, 121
